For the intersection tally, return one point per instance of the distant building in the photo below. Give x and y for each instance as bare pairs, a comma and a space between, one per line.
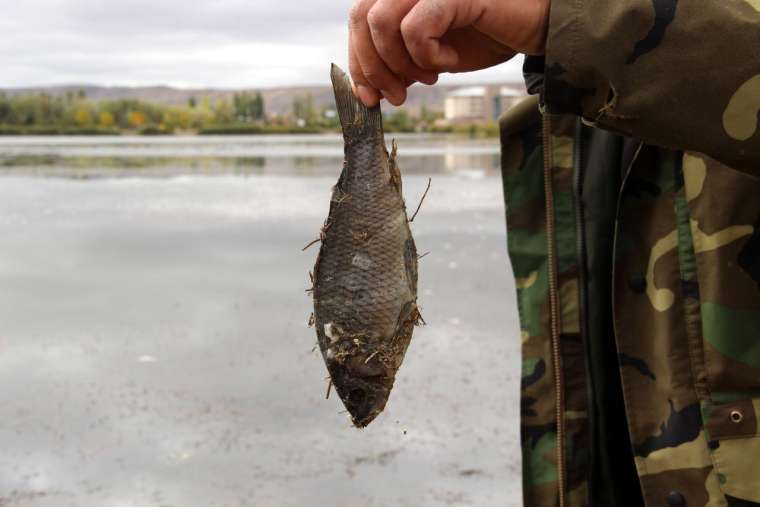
505, 99
479, 103
465, 104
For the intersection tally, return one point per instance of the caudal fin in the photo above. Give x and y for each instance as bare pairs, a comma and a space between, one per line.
352, 112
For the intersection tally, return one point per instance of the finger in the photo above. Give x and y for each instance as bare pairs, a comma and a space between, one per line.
376, 73
372, 67
362, 89
428, 21
384, 20
361, 86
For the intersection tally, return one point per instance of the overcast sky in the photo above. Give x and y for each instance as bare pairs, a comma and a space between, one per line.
186, 43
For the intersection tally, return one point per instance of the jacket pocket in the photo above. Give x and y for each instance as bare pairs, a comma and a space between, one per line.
724, 228
719, 235
734, 439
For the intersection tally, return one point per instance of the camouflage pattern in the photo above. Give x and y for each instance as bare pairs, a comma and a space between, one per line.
524, 190
686, 277
682, 74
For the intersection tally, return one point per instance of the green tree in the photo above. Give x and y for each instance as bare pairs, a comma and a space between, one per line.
303, 109
224, 112
240, 102
248, 107
427, 116
400, 121
259, 112
5, 108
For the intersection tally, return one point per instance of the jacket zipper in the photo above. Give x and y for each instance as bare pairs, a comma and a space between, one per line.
554, 304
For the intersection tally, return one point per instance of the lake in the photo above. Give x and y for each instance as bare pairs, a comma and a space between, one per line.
294, 155
155, 348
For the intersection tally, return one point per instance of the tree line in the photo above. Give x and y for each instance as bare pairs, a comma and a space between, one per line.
74, 112
243, 113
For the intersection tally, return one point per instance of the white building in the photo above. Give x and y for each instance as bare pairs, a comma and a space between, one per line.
479, 103
465, 104
506, 98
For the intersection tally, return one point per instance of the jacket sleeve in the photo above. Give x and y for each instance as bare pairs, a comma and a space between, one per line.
681, 74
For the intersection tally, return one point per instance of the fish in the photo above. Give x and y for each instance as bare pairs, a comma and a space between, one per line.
365, 276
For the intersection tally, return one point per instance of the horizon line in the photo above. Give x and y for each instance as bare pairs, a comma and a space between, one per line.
516, 83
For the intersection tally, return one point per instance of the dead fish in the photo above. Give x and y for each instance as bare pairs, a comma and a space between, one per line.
365, 277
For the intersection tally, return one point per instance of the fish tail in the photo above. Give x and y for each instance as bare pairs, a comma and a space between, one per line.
352, 112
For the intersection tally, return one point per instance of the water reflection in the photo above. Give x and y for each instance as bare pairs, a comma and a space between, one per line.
303, 155
155, 345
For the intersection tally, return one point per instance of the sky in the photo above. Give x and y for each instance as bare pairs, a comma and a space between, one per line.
182, 43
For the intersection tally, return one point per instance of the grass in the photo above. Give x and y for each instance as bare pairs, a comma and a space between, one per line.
53, 130
473, 130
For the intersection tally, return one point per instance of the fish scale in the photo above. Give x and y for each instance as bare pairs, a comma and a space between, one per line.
365, 277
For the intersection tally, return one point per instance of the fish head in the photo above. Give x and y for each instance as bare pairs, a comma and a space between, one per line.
364, 387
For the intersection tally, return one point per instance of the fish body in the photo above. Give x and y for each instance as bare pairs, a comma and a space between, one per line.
365, 277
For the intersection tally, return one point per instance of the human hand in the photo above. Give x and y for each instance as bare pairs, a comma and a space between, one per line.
394, 43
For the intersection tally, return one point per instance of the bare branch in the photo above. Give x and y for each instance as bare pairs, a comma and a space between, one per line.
310, 244
430, 180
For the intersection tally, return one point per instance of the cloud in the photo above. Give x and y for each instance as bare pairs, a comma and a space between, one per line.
216, 43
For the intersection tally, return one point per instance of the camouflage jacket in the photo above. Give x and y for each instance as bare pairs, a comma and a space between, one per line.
633, 210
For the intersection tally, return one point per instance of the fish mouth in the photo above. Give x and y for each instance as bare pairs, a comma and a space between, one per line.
364, 406
363, 395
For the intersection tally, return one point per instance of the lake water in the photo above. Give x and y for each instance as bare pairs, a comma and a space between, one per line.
155, 350
302, 155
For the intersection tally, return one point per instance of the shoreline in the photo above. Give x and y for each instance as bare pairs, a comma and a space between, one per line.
473, 130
